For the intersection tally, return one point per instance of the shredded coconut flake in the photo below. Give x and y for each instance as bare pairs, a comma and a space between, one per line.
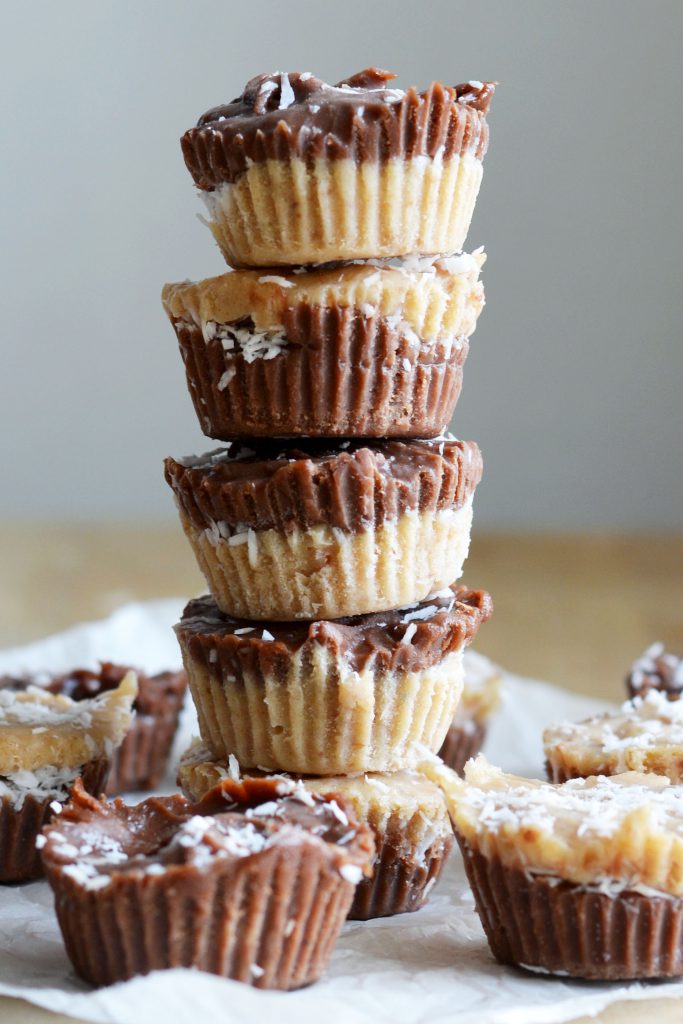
409, 633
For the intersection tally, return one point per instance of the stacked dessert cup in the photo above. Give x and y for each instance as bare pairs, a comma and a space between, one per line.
333, 524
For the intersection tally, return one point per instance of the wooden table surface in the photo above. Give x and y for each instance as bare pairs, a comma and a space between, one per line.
571, 609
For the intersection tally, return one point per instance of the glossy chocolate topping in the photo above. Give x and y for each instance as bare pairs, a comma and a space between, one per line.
403, 639
97, 840
351, 487
656, 669
155, 693
281, 116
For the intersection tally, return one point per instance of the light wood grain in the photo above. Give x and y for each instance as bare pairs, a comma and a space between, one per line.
574, 610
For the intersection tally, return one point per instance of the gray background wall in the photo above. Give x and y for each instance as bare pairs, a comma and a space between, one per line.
573, 385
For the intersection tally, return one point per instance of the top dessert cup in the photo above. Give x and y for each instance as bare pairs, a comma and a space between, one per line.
406, 812
358, 350
582, 879
295, 171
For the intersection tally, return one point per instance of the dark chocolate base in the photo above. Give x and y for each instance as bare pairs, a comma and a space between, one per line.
398, 885
141, 761
352, 376
561, 928
462, 743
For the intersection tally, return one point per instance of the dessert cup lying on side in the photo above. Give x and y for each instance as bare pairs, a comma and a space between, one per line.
329, 698
644, 735
253, 882
141, 760
47, 741
480, 698
295, 171
369, 350
405, 811
285, 533
583, 879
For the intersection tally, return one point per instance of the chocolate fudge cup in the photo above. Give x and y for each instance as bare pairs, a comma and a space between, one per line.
285, 533
405, 811
140, 762
329, 698
644, 735
295, 171
253, 882
368, 350
656, 669
583, 879
480, 698
47, 741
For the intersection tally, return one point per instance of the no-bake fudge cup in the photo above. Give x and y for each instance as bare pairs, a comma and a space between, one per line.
253, 882
644, 735
363, 694
140, 762
583, 879
480, 699
656, 669
368, 350
47, 741
295, 171
405, 811
285, 533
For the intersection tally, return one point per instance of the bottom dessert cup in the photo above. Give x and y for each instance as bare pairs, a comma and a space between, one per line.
583, 879
405, 811
47, 742
329, 698
252, 883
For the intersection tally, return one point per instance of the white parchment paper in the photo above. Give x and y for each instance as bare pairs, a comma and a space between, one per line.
432, 966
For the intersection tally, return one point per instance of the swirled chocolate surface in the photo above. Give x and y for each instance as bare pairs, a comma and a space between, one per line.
352, 487
282, 116
94, 841
404, 639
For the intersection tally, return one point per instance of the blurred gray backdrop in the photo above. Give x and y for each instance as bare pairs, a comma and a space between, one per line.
574, 381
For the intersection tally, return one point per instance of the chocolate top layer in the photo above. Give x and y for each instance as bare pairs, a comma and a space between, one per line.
351, 487
95, 841
281, 116
403, 639
656, 669
156, 694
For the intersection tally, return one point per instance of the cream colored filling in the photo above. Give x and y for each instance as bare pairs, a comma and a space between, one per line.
325, 718
436, 299
481, 693
39, 729
324, 572
645, 735
626, 829
285, 212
